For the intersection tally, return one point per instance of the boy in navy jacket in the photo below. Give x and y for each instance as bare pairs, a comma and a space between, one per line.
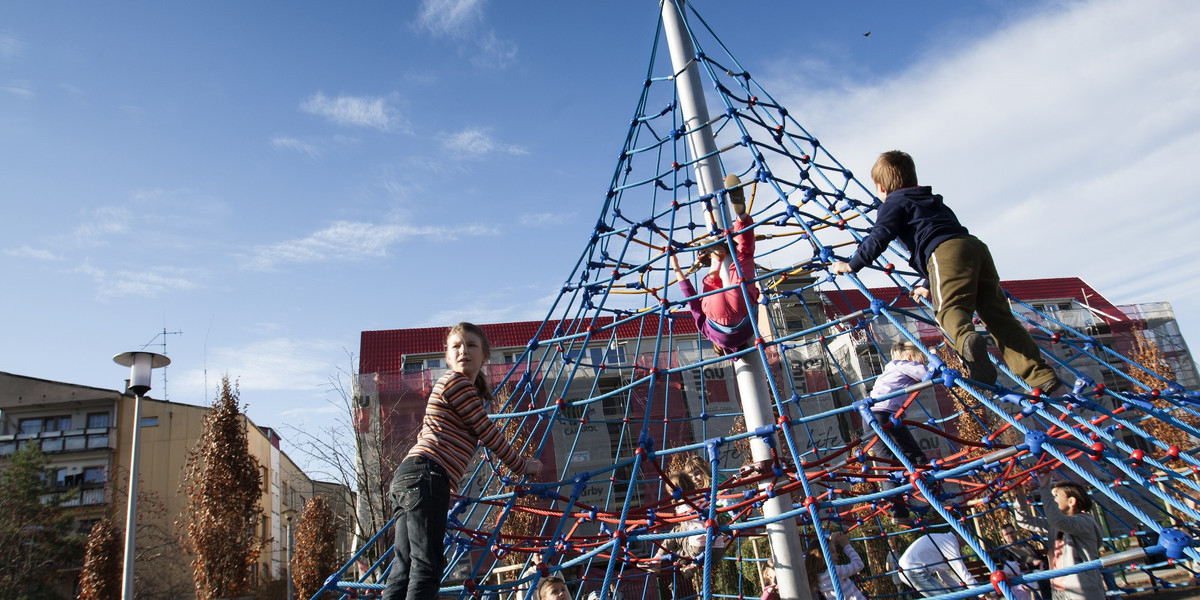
959, 270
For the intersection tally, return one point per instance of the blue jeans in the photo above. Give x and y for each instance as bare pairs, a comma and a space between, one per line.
421, 498
925, 583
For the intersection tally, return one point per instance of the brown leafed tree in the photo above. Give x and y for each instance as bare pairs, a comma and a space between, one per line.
1147, 354
101, 576
221, 489
314, 557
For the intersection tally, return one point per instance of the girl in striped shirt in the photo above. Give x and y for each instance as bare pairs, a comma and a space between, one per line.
455, 423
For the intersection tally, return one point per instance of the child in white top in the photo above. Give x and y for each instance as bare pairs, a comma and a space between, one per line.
821, 580
907, 367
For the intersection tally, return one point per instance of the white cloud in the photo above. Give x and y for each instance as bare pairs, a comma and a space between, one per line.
277, 364
494, 53
288, 143
100, 223
147, 283
463, 21
11, 47
350, 241
359, 111
477, 142
26, 251
22, 90
544, 219
494, 310
449, 17
1066, 141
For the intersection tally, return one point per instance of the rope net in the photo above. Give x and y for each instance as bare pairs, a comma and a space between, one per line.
617, 391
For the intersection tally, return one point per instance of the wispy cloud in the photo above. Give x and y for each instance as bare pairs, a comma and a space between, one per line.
11, 47
146, 283
477, 142
99, 224
494, 52
463, 22
289, 143
350, 241
454, 18
26, 251
276, 364
1062, 140
358, 111
21, 90
498, 307
545, 219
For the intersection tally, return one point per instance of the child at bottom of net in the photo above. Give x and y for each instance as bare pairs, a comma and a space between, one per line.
690, 547
820, 579
907, 367
1072, 533
552, 587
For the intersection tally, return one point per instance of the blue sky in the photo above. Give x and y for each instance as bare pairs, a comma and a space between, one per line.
272, 178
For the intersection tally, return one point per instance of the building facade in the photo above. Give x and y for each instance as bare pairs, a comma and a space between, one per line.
86, 434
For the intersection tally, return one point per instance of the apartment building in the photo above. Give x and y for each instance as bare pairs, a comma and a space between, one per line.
86, 433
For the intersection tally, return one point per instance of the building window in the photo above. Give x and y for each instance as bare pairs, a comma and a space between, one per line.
149, 421
42, 424
97, 420
94, 475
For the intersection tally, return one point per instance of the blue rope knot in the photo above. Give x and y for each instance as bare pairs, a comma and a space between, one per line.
645, 441
1034, 441
712, 448
878, 306
1171, 542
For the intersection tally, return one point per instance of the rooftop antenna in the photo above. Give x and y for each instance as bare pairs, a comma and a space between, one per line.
163, 345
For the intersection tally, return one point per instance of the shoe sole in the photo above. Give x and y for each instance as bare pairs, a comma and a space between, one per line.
978, 362
737, 197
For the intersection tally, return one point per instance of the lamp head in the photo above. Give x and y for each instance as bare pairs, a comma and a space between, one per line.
140, 365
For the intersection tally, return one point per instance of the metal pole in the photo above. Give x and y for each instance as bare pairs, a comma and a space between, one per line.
288, 556
783, 535
131, 509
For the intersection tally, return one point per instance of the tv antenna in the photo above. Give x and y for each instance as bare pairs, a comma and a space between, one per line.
163, 351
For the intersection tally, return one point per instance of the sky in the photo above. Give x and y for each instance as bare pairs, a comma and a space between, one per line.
264, 181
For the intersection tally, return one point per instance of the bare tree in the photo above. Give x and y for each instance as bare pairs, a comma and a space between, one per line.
348, 450
315, 555
222, 490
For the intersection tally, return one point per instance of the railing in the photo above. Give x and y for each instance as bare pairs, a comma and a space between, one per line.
88, 496
58, 442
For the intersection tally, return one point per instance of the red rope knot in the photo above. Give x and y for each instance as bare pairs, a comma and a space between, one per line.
997, 578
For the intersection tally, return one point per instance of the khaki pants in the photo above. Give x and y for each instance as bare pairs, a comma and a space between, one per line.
963, 281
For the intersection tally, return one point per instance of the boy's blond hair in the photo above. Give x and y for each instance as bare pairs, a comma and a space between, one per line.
894, 170
546, 583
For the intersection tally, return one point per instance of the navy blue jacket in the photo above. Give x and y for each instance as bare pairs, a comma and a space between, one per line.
918, 218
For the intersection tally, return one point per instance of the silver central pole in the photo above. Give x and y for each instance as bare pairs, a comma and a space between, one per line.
786, 549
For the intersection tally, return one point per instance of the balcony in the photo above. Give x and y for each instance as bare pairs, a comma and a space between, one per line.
89, 494
59, 442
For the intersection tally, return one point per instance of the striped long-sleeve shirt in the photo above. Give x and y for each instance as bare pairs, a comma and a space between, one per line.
455, 423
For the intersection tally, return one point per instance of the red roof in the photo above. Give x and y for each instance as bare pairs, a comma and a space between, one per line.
383, 351
1026, 290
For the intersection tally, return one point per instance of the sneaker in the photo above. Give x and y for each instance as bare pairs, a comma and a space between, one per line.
977, 361
1050, 387
737, 197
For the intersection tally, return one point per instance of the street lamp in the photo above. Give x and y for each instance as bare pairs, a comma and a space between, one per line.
140, 364
287, 515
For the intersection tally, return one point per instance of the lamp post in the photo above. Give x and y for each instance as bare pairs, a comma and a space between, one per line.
140, 364
287, 516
